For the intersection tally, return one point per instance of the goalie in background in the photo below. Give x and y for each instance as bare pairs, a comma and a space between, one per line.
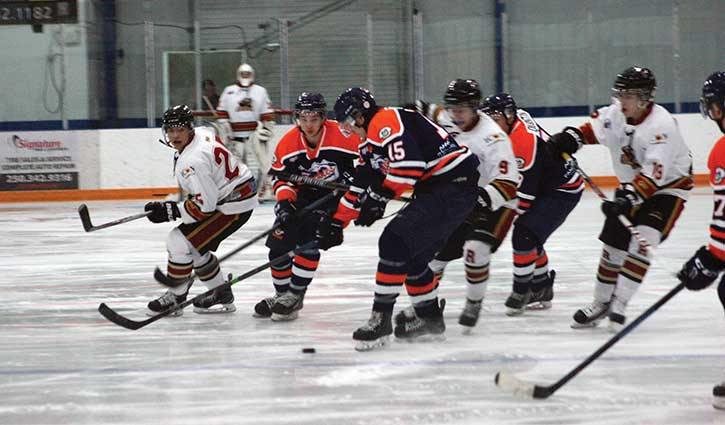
221, 196
246, 107
706, 264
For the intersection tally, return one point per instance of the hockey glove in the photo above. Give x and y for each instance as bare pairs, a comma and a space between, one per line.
700, 270
264, 134
285, 211
568, 141
162, 212
623, 202
372, 205
484, 199
329, 233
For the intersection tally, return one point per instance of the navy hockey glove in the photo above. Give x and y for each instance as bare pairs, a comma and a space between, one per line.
162, 212
568, 141
372, 205
700, 270
285, 211
329, 233
623, 202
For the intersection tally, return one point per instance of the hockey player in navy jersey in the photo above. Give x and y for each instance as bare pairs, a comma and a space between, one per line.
549, 190
402, 150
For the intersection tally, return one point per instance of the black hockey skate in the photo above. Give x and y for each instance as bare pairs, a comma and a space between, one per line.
589, 316
375, 333
427, 324
541, 298
263, 309
165, 302
718, 396
221, 300
469, 315
287, 306
516, 303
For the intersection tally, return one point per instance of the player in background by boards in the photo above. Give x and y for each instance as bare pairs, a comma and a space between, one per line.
484, 229
248, 110
548, 191
654, 168
403, 150
314, 148
707, 263
221, 196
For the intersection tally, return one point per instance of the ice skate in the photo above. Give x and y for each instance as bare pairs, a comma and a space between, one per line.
423, 327
541, 299
469, 316
165, 302
516, 303
404, 315
220, 300
718, 396
589, 316
287, 306
375, 333
617, 318
263, 309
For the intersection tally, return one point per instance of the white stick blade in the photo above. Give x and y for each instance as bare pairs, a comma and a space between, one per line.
510, 383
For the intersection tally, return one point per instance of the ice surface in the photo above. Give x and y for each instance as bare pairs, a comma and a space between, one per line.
62, 363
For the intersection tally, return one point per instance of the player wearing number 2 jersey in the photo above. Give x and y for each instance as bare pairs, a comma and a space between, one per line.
222, 195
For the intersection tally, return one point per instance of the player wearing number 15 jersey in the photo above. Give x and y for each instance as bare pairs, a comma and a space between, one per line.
222, 195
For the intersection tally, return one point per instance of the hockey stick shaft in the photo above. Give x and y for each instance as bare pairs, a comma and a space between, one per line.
89, 227
323, 184
643, 244
133, 325
540, 391
166, 281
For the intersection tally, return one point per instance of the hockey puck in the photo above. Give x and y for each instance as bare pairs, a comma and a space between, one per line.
309, 350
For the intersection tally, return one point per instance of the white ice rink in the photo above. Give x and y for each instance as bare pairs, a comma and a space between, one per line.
63, 363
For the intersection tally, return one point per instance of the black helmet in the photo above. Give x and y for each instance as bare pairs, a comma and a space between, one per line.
636, 80
355, 102
501, 103
463, 92
177, 116
310, 101
713, 91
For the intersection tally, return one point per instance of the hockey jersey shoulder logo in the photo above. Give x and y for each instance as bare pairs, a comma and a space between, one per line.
188, 172
718, 176
384, 133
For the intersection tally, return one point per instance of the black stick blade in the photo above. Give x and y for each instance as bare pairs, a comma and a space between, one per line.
85, 217
165, 280
122, 321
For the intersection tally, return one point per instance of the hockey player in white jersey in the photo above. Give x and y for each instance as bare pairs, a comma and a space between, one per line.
486, 227
221, 196
248, 110
654, 168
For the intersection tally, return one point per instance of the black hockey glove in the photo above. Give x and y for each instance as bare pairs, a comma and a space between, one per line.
329, 233
285, 211
162, 212
623, 202
484, 199
568, 141
372, 205
700, 270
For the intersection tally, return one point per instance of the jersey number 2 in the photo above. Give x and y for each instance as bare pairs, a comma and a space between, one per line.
222, 155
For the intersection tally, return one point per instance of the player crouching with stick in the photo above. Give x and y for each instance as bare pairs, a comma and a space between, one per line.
222, 195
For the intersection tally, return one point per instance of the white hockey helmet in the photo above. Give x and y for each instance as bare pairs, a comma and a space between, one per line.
245, 75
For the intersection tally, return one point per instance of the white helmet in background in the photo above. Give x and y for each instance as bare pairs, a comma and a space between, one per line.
245, 75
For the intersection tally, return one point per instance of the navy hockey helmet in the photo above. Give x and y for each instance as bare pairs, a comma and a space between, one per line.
500, 104
463, 92
312, 102
177, 116
636, 80
713, 91
353, 103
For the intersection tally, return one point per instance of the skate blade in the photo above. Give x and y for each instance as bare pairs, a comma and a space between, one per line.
177, 313
224, 308
467, 330
424, 338
285, 317
372, 345
511, 312
261, 316
577, 325
539, 305
718, 403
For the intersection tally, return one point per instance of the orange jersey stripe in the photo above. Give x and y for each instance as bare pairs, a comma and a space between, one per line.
389, 279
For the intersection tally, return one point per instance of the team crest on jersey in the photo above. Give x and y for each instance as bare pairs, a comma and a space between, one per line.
245, 104
385, 132
187, 172
323, 170
719, 175
520, 162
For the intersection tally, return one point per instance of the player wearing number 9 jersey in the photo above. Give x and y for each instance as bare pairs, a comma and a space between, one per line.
403, 150
221, 197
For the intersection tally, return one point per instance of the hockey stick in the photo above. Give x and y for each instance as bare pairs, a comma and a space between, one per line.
164, 280
510, 383
89, 227
311, 181
644, 246
133, 325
